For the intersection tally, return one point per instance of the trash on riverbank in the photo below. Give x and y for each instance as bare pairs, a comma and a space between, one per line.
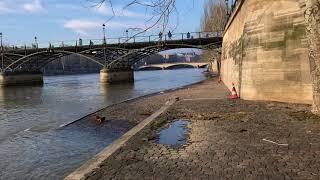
274, 142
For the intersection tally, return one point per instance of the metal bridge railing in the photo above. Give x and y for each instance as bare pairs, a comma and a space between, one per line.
120, 40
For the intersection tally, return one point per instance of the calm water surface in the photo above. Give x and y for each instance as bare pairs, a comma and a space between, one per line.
32, 146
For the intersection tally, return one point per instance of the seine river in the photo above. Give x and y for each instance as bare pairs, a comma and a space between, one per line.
32, 144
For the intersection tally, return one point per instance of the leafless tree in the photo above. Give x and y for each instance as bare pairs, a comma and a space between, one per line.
214, 18
161, 12
312, 19
215, 15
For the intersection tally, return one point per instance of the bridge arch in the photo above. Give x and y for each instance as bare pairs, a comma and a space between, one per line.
149, 68
179, 66
137, 55
51, 55
176, 65
9, 58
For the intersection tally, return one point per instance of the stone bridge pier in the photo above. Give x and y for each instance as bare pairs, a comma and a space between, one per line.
21, 78
116, 76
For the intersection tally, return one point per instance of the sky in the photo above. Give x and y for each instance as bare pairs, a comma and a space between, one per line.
66, 20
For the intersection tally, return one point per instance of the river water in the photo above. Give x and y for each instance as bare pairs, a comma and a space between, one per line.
32, 143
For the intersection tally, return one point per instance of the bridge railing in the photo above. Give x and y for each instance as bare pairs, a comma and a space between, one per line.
120, 40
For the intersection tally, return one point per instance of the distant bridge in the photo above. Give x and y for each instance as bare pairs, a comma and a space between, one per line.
173, 66
114, 56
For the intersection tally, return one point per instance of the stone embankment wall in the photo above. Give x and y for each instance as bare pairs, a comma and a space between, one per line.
265, 51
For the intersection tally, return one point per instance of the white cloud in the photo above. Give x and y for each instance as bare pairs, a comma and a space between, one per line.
81, 24
4, 8
68, 6
34, 6
118, 11
83, 27
19, 6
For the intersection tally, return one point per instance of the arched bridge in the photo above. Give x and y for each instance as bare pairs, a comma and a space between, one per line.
173, 66
114, 56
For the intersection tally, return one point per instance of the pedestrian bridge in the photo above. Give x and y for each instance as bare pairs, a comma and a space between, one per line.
115, 55
173, 66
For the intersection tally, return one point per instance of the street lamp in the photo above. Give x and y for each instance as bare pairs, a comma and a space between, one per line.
104, 33
104, 43
227, 4
127, 31
1, 52
36, 41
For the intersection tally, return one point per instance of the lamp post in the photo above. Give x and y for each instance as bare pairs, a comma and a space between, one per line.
227, 4
1, 52
36, 41
104, 33
104, 43
127, 34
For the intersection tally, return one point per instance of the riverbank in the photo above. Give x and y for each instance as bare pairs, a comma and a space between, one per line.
34, 117
136, 109
232, 139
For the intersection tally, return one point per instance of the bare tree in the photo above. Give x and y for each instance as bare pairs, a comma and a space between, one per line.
215, 15
161, 11
312, 19
214, 18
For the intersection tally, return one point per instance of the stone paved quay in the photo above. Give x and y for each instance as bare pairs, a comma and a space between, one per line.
227, 139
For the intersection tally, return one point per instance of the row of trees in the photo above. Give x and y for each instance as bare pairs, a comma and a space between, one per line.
214, 18
215, 15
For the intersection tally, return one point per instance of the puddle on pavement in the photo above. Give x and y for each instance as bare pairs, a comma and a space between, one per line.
175, 134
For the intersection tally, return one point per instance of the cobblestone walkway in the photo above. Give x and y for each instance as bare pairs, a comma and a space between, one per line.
227, 140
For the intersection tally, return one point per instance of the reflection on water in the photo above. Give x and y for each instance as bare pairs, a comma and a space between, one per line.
110, 93
31, 143
13, 96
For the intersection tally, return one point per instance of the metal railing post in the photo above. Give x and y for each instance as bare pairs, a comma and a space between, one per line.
104, 55
2, 53
76, 46
149, 39
182, 36
25, 49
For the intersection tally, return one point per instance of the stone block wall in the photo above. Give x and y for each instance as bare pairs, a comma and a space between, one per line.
14, 79
265, 51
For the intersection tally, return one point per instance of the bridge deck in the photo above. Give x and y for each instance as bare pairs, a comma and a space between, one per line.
115, 56
129, 46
